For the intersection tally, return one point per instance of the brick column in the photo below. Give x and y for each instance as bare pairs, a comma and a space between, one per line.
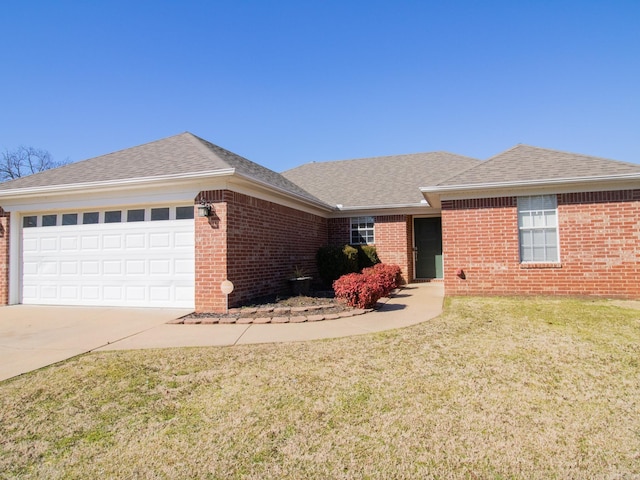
4, 257
211, 253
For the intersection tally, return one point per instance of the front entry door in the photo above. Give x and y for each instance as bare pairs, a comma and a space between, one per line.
428, 243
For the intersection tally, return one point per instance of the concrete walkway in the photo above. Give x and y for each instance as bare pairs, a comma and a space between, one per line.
32, 337
413, 304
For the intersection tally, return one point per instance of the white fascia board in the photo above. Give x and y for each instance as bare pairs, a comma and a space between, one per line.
147, 194
342, 208
280, 191
400, 209
561, 185
92, 187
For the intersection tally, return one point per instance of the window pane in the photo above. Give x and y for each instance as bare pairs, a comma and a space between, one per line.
549, 202
90, 217
184, 213
49, 220
550, 218
69, 219
538, 254
538, 219
135, 215
30, 221
114, 216
159, 214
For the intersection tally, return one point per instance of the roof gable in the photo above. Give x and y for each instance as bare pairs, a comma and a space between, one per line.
181, 154
379, 181
524, 163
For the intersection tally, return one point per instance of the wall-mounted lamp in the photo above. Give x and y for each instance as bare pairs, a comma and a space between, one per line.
204, 210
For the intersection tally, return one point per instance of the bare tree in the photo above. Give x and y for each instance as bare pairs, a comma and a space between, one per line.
24, 161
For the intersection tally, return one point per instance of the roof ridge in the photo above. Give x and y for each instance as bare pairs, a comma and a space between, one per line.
565, 152
200, 143
381, 157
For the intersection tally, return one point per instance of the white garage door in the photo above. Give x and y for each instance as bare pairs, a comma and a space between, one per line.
136, 258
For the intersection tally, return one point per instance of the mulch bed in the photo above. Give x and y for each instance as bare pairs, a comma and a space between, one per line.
296, 309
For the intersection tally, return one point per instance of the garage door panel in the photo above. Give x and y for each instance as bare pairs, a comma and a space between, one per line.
49, 244
121, 264
159, 240
69, 243
111, 268
49, 268
69, 292
135, 241
68, 267
112, 293
159, 267
111, 241
90, 292
90, 242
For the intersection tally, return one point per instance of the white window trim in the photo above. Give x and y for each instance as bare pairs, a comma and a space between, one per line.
556, 228
353, 227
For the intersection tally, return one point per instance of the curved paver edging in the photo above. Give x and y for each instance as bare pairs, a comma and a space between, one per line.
276, 315
272, 315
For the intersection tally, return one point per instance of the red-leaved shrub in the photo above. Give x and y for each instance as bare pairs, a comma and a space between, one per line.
363, 290
387, 276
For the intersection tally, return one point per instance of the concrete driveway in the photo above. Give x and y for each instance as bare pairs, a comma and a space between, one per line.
32, 337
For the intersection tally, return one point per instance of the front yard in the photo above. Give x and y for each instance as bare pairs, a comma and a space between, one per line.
493, 388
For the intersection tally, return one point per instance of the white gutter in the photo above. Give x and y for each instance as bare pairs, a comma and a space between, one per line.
74, 187
381, 207
302, 198
148, 181
528, 183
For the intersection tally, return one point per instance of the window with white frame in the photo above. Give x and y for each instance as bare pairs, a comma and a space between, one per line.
538, 226
362, 230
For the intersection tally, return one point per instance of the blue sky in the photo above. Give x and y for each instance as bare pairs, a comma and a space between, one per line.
288, 82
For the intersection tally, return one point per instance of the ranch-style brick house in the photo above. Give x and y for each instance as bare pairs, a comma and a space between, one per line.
165, 223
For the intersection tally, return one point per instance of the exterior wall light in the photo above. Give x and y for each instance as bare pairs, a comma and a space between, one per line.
204, 210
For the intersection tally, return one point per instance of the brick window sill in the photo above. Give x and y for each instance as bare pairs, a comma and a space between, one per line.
540, 265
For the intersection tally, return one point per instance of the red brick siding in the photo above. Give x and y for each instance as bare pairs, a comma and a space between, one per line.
393, 242
599, 247
256, 245
4, 257
393, 239
211, 253
339, 231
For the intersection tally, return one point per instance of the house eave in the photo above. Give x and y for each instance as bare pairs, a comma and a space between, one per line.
433, 194
300, 198
112, 184
342, 208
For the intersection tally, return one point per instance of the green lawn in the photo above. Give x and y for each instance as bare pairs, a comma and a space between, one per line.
493, 388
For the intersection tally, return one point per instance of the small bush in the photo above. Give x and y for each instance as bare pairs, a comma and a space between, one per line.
387, 276
357, 290
367, 256
363, 290
334, 262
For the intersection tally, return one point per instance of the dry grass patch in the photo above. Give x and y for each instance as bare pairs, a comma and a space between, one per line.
493, 388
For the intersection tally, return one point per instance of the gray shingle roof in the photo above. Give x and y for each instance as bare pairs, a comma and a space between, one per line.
524, 163
378, 181
179, 154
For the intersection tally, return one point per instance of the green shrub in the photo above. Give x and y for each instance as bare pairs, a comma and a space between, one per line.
333, 262
367, 256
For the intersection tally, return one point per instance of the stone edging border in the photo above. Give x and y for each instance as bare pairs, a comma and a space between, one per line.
277, 315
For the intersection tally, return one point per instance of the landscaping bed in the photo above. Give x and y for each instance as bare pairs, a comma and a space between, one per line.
276, 309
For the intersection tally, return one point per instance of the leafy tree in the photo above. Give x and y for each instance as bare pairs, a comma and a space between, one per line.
24, 161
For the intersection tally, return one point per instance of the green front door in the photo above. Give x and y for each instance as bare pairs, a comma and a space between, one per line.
428, 243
